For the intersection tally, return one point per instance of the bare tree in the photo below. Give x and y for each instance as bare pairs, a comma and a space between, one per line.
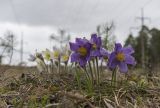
106, 31
62, 38
8, 44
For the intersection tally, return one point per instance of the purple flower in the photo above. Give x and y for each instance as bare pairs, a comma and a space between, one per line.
121, 57
81, 51
104, 53
31, 58
96, 45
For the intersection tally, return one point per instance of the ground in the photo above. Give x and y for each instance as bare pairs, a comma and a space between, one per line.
25, 87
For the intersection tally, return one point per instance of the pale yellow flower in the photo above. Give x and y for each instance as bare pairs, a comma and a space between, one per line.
40, 65
56, 55
47, 54
65, 58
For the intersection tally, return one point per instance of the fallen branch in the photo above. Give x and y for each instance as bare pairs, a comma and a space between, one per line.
77, 97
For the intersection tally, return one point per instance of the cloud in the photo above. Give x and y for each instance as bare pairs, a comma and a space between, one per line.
75, 15
39, 18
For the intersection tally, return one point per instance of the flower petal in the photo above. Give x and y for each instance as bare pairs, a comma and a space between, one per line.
112, 63
130, 60
88, 46
96, 40
95, 53
73, 46
74, 57
123, 67
81, 41
82, 62
99, 42
88, 57
104, 52
118, 47
31, 58
128, 50
93, 38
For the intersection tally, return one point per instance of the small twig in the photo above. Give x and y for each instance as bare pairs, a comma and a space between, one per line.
108, 103
116, 99
52, 105
10, 95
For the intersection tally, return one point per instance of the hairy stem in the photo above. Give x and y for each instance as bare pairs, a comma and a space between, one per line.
113, 81
92, 77
98, 74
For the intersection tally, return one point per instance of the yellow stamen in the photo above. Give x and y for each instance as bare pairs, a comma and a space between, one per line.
120, 57
65, 57
94, 46
56, 54
47, 56
105, 58
82, 51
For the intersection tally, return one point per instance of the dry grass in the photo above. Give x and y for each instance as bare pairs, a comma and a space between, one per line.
23, 87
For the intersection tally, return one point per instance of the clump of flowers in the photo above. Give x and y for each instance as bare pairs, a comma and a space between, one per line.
87, 55
84, 52
48, 60
89, 52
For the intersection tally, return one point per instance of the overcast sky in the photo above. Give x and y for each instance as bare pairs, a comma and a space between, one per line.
37, 19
